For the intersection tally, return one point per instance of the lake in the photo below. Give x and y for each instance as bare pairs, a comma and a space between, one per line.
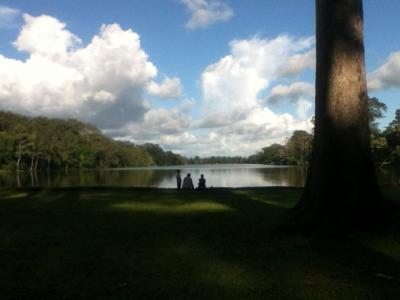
220, 175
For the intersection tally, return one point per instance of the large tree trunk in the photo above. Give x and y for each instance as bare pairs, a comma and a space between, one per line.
341, 188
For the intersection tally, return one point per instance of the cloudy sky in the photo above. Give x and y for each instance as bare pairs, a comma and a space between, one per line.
198, 77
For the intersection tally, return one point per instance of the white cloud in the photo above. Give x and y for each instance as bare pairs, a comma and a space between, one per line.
169, 88
186, 105
262, 127
206, 12
386, 76
292, 92
232, 86
45, 36
103, 82
8, 16
299, 62
158, 125
213, 120
303, 106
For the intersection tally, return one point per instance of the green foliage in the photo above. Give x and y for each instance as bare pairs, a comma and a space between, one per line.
392, 135
6, 150
376, 110
43, 143
162, 158
385, 144
299, 147
216, 160
297, 151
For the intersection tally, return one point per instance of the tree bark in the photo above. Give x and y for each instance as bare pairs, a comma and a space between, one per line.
37, 160
48, 162
341, 189
19, 155
32, 162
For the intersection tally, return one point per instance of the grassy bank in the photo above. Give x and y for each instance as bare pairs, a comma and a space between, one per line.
151, 243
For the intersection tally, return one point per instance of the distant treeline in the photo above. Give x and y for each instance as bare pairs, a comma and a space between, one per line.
217, 160
296, 151
43, 143
385, 144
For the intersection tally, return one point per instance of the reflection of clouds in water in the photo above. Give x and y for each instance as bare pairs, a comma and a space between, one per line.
241, 176
284, 176
164, 177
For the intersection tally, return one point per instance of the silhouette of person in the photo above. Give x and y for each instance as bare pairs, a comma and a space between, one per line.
202, 183
178, 179
187, 182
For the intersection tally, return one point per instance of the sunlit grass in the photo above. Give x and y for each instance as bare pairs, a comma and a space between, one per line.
15, 196
169, 208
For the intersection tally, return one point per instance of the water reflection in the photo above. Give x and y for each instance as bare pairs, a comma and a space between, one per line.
235, 175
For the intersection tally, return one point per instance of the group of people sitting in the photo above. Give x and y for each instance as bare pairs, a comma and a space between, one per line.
188, 182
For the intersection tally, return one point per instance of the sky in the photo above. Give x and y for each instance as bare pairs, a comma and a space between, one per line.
198, 77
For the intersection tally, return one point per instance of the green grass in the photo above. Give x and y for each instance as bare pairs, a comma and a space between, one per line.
102, 243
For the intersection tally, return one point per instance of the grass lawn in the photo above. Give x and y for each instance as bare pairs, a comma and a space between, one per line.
102, 243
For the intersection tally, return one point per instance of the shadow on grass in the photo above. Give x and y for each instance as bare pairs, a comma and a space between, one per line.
151, 243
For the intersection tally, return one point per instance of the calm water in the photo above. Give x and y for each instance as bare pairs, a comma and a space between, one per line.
234, 175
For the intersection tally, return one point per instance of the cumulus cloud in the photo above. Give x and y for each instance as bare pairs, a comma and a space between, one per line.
213, 120
237, 120
45, 36
303, 106
292, 93
206, 12
169, 88
386, 76
232, 86
8, 16
262, 127
103, 82
298, 63
158, 125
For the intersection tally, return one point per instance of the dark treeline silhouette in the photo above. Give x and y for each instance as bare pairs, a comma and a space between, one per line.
163, 158
43, 143
217, 160
296, 151
385, 143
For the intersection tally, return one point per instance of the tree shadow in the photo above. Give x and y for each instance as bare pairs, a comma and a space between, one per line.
153, 243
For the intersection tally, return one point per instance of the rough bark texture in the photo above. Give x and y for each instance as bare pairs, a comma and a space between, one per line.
341, 188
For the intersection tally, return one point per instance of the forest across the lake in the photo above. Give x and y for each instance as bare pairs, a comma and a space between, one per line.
39, 143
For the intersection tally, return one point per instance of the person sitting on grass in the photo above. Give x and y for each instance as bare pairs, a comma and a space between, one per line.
187, 183
202, 183
178, 179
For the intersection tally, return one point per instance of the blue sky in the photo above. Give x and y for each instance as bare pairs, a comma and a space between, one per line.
199, 77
